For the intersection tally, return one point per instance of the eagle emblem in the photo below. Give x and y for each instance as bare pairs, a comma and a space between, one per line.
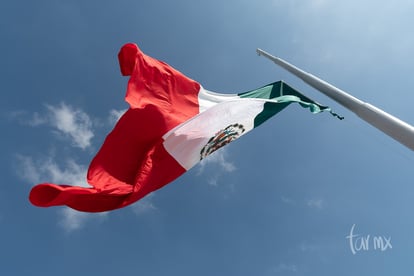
222, 138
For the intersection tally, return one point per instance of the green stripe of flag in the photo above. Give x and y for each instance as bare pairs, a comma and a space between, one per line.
281, 95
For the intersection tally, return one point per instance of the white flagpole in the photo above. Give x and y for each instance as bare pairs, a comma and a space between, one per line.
387, 123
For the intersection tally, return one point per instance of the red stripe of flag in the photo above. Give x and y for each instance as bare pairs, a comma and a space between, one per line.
132, 161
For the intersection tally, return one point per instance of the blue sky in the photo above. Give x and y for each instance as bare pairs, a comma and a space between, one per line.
279, 201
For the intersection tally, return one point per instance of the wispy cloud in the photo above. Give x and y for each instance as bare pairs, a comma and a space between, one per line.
24, 118
72, 220
65, 120
283, 269
72, 123
215, 165
115, 115
218, 160
312, 5
77, 126
308, 247
288, 200
315, 203
34, 171
144, 205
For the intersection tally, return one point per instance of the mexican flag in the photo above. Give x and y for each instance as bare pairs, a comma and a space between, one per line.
172, 124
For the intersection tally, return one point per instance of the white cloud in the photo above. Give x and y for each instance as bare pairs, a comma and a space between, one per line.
115, 115
35, 171
66, 120
77, 126
219, 159
73, 123
27, 170
218, 163
24, 118
37, 120
72, 220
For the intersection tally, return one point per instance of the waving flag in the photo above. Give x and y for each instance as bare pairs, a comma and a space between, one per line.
172, 124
